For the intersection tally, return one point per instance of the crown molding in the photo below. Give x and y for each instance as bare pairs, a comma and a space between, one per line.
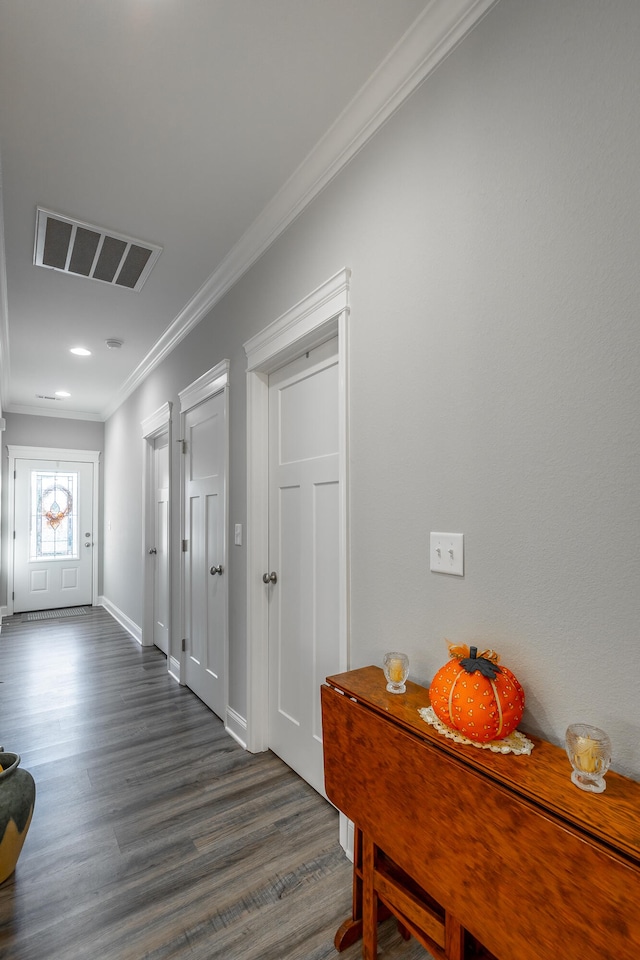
437, 31
48, 412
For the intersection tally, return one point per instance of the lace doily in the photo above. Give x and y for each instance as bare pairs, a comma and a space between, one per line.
515, 742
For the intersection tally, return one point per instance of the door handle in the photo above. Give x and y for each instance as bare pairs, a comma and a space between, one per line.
214, 570
152, 550
87, 544
270, 577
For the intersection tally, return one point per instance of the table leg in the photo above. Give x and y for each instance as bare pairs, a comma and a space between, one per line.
453, 938
351, 929
369, 901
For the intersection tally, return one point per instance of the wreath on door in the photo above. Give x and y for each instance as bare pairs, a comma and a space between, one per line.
56, 513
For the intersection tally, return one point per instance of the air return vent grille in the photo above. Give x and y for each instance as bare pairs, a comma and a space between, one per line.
87, 251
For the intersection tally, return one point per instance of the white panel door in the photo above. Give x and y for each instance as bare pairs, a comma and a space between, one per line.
53, 540
205, 603
304, 542
161, 588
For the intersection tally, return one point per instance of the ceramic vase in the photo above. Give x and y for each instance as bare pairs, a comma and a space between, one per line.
17, 799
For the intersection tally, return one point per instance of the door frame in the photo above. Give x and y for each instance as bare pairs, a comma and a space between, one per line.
321, 315
154, 426
54, 454
208, 385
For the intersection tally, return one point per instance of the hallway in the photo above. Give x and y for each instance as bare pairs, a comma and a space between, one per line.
154, 834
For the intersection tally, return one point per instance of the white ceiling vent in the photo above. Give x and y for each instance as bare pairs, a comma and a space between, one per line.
88, 251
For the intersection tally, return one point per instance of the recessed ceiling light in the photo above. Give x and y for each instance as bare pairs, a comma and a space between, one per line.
81, 351
113, 343
62, 393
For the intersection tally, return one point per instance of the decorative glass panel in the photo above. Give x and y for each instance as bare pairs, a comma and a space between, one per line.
53, 524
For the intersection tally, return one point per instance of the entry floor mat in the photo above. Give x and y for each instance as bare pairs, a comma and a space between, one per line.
60, 614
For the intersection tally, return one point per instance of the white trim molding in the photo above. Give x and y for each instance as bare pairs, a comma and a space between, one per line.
174, 668
53, 453
312, 321
210, 383
437, 31
60, 414
236, 727
156, 421
129, 625
153, 426
306, 325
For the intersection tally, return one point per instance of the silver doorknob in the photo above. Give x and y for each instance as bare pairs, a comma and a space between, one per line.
87, 544
270, 577
214, 570
152, 550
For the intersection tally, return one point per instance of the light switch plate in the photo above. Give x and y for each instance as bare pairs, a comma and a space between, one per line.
238, 535
446, 553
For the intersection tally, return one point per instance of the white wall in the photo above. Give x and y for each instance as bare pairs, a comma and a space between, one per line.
493, 233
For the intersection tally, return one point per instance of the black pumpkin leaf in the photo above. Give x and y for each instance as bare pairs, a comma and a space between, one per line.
475, 664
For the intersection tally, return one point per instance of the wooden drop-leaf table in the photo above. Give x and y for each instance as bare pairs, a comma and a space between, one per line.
477, 854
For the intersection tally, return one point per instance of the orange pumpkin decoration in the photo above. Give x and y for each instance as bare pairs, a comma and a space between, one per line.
474, 695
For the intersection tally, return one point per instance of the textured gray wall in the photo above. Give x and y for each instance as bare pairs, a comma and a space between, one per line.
493, 233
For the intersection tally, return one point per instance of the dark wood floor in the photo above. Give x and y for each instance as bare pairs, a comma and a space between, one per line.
155, 836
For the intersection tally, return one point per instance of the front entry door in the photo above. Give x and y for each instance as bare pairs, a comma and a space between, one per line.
205, 576
53, 538
304, 554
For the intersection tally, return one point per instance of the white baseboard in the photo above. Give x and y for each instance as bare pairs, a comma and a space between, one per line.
236, 727
4, 611
174, 668
346, 836
122, 618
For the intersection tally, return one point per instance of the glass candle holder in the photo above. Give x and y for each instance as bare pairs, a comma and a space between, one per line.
589, 750
396, 671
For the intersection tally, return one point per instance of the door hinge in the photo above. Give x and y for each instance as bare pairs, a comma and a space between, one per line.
14, 534
185, 546
13, 596
184, 645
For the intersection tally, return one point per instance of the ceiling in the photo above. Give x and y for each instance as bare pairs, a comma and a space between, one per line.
199, 126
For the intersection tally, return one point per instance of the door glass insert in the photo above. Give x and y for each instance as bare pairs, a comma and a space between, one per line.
53, 524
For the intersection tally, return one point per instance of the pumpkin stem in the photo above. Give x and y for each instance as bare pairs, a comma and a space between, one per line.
475, 664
